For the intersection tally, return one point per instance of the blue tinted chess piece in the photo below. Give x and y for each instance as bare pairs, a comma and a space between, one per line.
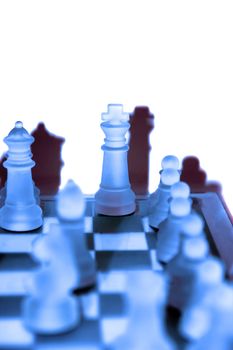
20, 211
71, 212
115, 196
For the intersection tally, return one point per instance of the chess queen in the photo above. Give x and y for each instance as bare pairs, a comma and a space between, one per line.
115, 196
20, 211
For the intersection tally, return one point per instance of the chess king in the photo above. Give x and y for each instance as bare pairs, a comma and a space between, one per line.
20, 211
115, 196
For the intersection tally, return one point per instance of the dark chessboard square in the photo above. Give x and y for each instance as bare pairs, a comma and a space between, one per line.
197, 207
143, 207
16, 262
48, 207
86, 334
89, 241
122, 260
151, 239
10, 306
112, 305
89, 207
114, 224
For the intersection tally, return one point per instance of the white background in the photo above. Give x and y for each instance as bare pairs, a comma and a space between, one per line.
62, 62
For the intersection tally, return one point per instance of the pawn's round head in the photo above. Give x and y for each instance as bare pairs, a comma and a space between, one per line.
224, 296
180, 207
70, 202
169, 176
193, 225
212, 271
195, 248
180, 189
170, 162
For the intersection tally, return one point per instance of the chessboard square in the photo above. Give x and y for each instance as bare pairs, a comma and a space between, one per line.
112, 328
16, 262
89, 207
151, 239
59, 346
112, 305
120, 241
14, 335
156, 266
86, 335
89, 241
13, 283
47, 222
90, 305
122, 260
16, 243
88, 224
112, 281
146, 226
142, 207
48, 207
10, 307
115, 224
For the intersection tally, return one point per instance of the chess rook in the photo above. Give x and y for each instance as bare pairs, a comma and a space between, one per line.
20, 211
115, 196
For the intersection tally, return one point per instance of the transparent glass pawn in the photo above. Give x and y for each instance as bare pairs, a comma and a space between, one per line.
180, 190
70, 211
170, 229
208, 324
209, 275
184, 267
146, 328
159, 202
168, 162
182, 271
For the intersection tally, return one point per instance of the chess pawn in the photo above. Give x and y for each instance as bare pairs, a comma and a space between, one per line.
20, 211
208, 324
170, 229
70, 210
208, 277
170, 162
50, 308
184, 267
182, 271
158, 202
115, 196
146, 329
180, 190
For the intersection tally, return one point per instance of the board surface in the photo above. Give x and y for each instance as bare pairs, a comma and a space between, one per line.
118, 245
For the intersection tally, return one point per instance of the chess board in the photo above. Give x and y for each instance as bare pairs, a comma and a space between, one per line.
118, 244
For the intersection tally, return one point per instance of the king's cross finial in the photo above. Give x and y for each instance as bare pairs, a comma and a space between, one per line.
115, 114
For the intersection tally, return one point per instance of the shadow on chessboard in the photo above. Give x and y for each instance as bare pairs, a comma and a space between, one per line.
196, 178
